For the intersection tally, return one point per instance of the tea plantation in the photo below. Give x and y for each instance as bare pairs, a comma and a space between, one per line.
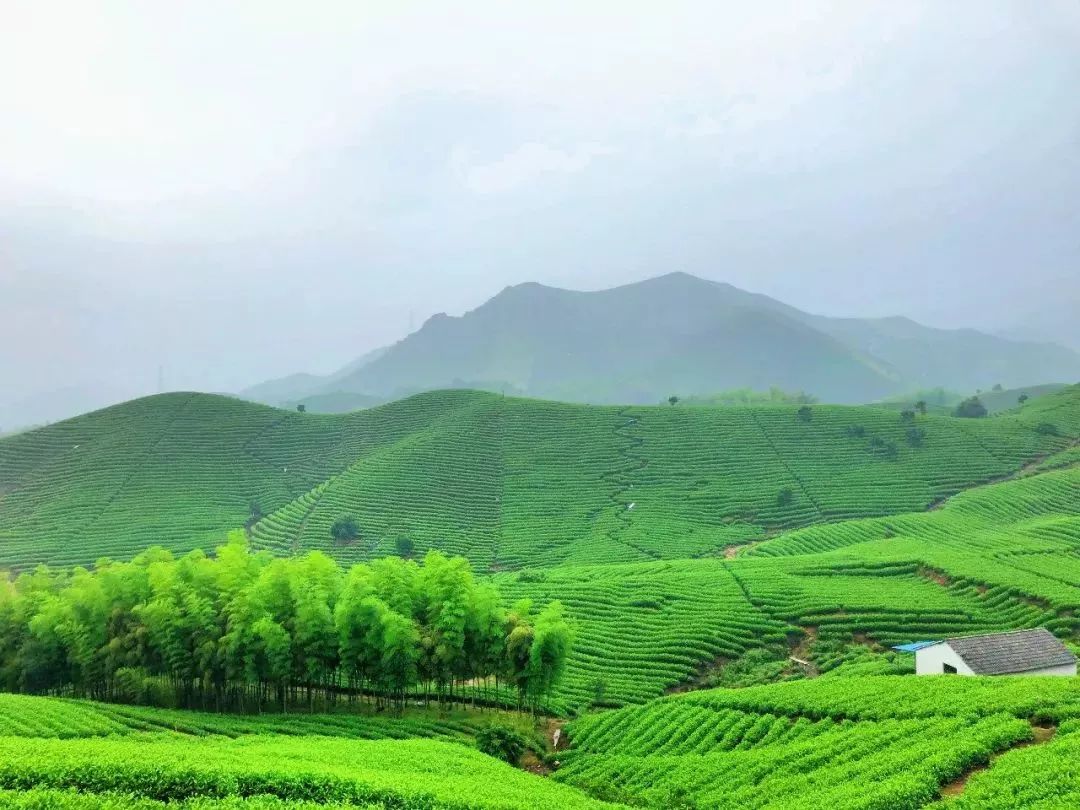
508, 483
771, 548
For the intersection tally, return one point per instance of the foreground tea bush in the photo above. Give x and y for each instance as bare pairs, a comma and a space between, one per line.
401, 774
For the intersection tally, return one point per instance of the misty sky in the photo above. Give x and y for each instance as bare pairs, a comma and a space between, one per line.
235, 191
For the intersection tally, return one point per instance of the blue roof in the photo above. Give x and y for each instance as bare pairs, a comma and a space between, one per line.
915, 645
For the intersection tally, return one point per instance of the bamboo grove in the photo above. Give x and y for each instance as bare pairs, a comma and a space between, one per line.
243, 631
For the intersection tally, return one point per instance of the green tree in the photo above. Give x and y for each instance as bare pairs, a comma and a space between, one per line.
345, 530
673, 400
970, 408
552, 639
920, 406
805, 413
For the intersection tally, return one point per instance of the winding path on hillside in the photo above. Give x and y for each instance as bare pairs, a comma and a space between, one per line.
632, 460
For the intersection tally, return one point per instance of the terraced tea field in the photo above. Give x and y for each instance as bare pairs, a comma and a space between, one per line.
893, 742
507, 483
690, 546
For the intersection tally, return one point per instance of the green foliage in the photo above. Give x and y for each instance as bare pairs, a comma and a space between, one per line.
1046, 429
244, 630
345, 530
915, 436
970, 408
805, 413
407, 774
501, 742
404, 546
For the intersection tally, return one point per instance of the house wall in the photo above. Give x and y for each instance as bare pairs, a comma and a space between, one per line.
1066, 669
929, 661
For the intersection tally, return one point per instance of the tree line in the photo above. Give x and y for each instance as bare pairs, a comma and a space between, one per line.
243, 631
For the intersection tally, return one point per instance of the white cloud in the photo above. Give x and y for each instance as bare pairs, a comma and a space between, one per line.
529, 163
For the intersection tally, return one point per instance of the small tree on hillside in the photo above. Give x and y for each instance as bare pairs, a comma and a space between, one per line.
672, 400
805, 413
970, 408
915, 436
346, 530
301, 408
1022, 399
997, 387
405, 546
907, 416
920, 406
785, 497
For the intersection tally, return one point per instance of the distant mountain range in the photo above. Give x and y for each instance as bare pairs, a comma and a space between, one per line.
672, 335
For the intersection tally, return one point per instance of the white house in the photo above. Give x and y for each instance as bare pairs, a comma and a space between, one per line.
1021, 652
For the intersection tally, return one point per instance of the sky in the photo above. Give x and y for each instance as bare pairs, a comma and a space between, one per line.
204, 195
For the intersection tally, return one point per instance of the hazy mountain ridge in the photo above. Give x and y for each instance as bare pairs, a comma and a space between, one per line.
682, 335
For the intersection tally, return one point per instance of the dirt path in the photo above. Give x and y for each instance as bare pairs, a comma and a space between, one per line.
801, 652
1041, 734
621, 479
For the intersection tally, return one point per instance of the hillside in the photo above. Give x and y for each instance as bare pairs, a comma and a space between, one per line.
692, 548
682, 335
506, 482
838, 742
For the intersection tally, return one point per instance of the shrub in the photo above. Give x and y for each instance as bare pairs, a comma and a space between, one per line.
785, 497
915, 436
1046, 429
970, 408
405, 546
805, 413
502, 742
346, 530
907, 416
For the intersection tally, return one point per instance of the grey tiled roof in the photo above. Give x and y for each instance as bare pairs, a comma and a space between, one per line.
1005, 653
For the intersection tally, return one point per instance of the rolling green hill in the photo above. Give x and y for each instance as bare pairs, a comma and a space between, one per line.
509, 483
678, 334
